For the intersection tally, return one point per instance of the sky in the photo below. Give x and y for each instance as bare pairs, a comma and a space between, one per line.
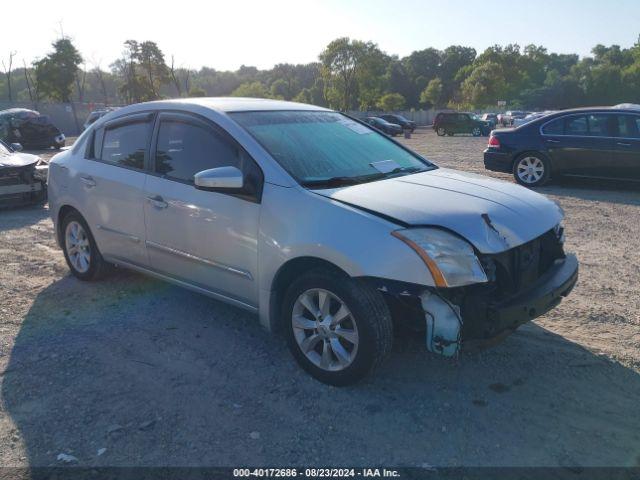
227, 34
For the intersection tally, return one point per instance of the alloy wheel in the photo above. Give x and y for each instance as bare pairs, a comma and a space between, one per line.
78, 247
325, 329
530, 170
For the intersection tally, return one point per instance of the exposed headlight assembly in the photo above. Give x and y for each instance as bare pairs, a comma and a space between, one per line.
450, 259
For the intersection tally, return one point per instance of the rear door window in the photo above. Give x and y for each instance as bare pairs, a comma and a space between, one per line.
599, 125
555, 127
576, 126
126, 144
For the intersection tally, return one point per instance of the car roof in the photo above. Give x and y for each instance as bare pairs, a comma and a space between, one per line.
241, 104
16, 110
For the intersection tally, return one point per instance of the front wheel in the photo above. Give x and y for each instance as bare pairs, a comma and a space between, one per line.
476, 132
338, 328
531, 170
441, 131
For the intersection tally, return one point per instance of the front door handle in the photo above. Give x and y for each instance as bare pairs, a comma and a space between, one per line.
551, 140
88, 181
157, 201
622, 144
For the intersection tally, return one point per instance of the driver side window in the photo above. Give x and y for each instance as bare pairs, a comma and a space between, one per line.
185, 147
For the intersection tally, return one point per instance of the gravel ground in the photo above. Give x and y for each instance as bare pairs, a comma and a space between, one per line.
120, 373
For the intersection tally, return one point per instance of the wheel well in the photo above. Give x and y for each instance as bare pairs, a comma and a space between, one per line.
285, 275
64, 211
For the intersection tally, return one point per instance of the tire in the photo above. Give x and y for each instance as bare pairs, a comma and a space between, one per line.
441, 131
95, 267
476, 131
532, 169
366, 319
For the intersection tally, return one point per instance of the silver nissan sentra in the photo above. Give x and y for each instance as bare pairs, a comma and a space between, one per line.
327, 229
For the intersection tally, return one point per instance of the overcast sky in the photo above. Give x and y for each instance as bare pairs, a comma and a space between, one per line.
227, 34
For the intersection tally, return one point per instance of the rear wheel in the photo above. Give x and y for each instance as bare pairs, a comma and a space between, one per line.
441, 131
531, 170
338, 328
80, 249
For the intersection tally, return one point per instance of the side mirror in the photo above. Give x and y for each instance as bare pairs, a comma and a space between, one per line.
16, 146
219, 178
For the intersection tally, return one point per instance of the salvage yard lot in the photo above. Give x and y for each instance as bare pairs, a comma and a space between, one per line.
157, 375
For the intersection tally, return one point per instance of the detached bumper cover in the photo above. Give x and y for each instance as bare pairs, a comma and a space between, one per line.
544, 295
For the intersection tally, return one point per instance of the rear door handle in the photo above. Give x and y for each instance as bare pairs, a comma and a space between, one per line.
551, 140
622, 144
88, 181
157, 201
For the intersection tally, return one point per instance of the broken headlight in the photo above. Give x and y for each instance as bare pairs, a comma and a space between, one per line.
450, 259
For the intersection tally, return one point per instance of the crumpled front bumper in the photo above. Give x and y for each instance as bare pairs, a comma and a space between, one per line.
496, 318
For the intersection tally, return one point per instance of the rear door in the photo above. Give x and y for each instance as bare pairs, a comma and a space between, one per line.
580, 144
110, 187
626, 162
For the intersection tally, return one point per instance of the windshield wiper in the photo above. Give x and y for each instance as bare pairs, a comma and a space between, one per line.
333, 182
405, 170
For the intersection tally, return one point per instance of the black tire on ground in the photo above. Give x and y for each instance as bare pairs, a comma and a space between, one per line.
532, 169
369, 312
441, 131
98, 267
476, 131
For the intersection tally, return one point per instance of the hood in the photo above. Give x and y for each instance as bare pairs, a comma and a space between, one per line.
16, 159
491, 214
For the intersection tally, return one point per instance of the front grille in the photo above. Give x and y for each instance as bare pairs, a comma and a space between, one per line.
518, 268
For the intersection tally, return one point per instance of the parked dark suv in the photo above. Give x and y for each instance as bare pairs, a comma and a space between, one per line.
450, 123
405, 123
588, 142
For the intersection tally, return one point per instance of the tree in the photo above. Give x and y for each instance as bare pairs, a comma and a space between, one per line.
197, 92
484, 86
174, 77
7, 71
56, 73
143, 70
253, 90
431, 96
391, 102
349, 68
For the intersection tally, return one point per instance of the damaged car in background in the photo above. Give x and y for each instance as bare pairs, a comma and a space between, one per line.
23, 177
30, 128
330, 231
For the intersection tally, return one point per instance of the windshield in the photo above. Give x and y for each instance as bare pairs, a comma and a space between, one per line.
327, 148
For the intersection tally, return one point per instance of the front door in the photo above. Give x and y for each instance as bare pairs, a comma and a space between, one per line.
208, 239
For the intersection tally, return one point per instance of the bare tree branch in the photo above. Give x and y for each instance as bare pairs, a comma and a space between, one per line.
7, 72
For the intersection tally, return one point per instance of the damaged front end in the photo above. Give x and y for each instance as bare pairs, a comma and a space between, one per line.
22, 182
523, 283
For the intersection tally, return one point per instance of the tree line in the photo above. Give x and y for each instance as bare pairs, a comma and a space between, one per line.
349, 75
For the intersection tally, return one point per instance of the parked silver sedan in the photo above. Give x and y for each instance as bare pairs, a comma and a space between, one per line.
330, 231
